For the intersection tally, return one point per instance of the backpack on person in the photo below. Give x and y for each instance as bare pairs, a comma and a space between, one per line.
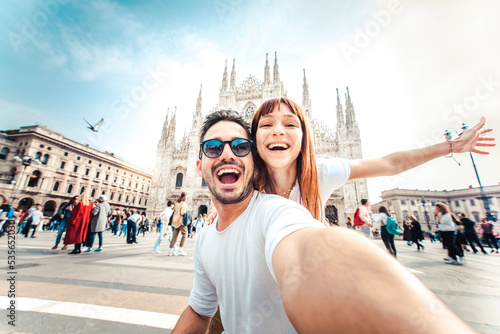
357, 219
392, 226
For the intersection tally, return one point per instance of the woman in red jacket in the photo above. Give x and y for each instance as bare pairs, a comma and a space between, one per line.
78, 223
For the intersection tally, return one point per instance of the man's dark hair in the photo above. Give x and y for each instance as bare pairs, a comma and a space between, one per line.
223, 115
364, 201
169, 203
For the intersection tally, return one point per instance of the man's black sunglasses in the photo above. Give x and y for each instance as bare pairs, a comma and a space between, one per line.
213, 148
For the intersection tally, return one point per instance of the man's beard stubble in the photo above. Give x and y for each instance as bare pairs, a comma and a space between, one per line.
220, 197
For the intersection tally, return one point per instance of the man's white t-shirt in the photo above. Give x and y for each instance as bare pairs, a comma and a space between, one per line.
36, 216
234, 267
332, 174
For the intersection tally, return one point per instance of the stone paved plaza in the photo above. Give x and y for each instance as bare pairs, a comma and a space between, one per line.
127, 289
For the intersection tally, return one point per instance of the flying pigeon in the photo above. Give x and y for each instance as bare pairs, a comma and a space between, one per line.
95, 127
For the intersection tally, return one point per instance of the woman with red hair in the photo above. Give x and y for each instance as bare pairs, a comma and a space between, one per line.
286, 164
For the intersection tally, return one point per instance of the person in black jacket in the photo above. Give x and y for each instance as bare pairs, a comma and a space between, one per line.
470, 233
416, 233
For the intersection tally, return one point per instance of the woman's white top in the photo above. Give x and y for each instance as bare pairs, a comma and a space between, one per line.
332, 174
446, 223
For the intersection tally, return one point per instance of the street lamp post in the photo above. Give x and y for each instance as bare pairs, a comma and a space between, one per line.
26, 161
426, 214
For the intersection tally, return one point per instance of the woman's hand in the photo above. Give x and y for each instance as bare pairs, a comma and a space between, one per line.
470, 140
211, 218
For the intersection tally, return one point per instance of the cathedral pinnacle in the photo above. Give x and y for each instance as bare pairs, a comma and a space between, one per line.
306, 102
340, 114
198, 103
164, 133
276, 76
267, 75
224, 79
233, 78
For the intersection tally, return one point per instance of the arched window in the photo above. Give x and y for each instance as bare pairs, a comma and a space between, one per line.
126, 199
111, 196
140, 199
38, 156
45, 159
92, 194
133, 200
82, 190
119, 197
56, 186
34, 178
3, 153
70, 188
178, 181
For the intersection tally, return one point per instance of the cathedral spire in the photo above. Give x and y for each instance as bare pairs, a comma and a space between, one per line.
197, 118
340, 114
198, 103
224, 79
172, 126
267, 75
276, 76
166, 125
350, 118
306, 102
233, 78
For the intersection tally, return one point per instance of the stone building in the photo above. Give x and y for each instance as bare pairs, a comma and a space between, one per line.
420, 203
61, 168
175, 167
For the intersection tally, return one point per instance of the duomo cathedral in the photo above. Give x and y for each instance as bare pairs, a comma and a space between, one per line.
175, 167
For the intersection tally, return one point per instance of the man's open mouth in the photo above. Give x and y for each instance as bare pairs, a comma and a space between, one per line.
228, 175
278, 146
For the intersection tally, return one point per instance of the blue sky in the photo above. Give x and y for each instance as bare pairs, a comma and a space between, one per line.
407, 63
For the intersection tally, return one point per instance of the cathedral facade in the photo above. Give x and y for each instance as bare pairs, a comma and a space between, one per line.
175, 167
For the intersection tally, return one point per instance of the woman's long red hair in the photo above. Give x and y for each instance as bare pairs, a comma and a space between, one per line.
307, 170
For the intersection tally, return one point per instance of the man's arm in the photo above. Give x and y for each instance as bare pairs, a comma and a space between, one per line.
334, 280
191, 322
399, 162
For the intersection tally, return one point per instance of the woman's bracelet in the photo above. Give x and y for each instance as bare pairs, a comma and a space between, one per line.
450, 153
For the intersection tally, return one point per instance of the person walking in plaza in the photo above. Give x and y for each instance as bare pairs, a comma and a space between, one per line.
132, 223
407, 232
64, 214
447, 231
387, 237
34, 219
100, 218
123, 226
471, 234
78, 223
197, 222
416, 233
362, 218
179, 220
165, 232
488, 235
